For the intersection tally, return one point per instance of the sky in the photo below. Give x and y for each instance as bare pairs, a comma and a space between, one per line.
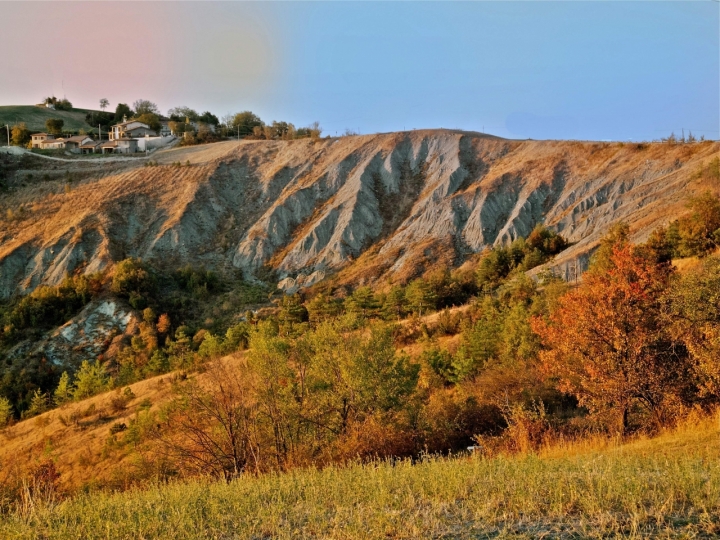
610, 70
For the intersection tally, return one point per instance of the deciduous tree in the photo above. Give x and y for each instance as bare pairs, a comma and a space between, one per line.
54, 125
20, 134
606, 342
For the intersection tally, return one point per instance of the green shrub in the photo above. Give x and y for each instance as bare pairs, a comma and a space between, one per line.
132, 280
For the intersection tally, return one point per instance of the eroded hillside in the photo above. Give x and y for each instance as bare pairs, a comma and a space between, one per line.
377, 205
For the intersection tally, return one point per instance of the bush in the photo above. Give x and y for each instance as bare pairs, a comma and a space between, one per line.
118, 427
133, 281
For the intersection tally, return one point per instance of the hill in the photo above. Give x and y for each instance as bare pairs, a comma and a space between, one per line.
665, 487
35, 117
367, 208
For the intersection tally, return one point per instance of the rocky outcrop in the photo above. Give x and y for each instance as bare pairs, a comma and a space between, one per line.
91, 333
399, 202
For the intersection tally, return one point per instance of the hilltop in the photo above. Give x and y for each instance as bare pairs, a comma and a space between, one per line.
35, 117
364, 208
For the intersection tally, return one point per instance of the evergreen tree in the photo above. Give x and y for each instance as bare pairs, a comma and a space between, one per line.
420, 297
38, 404
62, 393
6, 412
91, 379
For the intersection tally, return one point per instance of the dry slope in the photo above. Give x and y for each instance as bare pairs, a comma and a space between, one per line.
404, 201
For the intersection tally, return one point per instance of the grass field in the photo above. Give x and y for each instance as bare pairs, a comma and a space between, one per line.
666, 487
35, 117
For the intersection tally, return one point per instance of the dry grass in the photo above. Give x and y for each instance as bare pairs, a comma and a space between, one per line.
75, 436
665, 487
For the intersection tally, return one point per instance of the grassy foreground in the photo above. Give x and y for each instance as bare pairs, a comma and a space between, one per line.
667, 487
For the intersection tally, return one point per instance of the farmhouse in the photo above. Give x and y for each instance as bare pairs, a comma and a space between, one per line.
54, 144
74, 143
38, 139
133, 129
90, 147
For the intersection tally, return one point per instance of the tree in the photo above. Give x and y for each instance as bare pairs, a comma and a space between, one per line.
178, 127
315, 130
480, 342
163, 324
395, 303
20, 134
693, 314
292, 310
38, 404
54, 125
617, 237
152, 120
606, 342
122, 111
6, 411
181, 114
215, 430
143, 106
90, 379
63, 391
104, 104
420, 296
362, 302
244, 122
104, 119
700, 230
208, 118
63, 105
132, 281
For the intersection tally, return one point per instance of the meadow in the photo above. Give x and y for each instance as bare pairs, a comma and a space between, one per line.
35, 117
662, 487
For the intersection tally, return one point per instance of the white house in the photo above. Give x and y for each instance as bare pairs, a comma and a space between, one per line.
131, 129
123, 145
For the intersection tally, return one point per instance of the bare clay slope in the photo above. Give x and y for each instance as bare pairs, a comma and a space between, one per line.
402, 201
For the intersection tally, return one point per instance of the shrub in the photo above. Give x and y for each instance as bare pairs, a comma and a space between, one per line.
133, 281
118, 427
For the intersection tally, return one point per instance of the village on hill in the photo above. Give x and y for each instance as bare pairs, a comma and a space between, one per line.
55, 127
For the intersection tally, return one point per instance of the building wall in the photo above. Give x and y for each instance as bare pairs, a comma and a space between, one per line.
149, 143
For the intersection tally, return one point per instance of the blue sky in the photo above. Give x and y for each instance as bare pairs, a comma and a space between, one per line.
588, 70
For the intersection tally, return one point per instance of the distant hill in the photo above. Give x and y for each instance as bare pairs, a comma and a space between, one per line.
35, 117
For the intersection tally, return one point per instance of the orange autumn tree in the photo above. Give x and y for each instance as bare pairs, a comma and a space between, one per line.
606, 344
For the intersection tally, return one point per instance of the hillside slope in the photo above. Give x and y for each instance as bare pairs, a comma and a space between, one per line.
35, 117
388, 205
665, 487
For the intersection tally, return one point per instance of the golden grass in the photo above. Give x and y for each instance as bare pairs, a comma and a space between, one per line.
76, 439
667, 487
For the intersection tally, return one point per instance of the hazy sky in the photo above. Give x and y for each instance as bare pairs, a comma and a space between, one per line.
591, 70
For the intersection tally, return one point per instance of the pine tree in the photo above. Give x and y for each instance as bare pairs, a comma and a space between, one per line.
6, 412
91, 379
62, 393
38, 404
